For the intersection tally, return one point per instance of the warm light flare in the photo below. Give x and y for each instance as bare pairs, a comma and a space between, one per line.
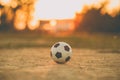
0, 15
14, 4
20, 19
11, 3
53, 22
9, 14
33, 24
112, 8
5, 2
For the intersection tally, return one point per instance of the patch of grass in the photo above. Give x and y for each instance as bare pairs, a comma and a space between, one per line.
79, 40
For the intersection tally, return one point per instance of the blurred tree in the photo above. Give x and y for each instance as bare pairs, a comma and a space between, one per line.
94, 21
4, 25
9, 25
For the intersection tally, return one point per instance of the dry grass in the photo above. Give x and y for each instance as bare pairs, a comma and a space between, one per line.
79, 40
36, 64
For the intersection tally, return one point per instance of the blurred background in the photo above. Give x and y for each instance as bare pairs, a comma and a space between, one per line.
40, 23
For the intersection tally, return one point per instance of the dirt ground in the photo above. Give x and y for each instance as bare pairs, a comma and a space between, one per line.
36, 64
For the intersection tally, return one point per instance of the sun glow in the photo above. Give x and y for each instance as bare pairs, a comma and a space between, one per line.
56, 9
66, 9
57, 12
53, 22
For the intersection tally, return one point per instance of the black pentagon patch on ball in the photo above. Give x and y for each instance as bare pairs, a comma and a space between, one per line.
67, 59
58, 55
56, 45
66, 48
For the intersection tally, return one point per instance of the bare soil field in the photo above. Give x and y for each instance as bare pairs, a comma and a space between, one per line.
36, 64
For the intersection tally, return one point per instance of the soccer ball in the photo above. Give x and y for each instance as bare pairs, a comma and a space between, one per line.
61, 52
